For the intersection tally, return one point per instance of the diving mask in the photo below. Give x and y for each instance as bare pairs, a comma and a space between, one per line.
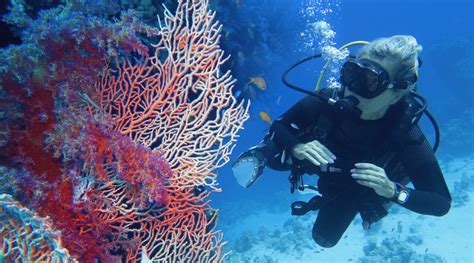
369, 79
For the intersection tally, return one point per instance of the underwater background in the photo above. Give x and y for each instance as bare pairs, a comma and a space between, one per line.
117, 132
258, 220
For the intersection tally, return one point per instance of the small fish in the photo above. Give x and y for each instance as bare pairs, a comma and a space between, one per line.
259, 82
426, 250
264, 116
278, 100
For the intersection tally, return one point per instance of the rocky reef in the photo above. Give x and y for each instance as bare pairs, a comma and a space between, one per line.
393, 250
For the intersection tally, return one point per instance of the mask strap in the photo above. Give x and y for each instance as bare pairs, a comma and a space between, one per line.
420, 62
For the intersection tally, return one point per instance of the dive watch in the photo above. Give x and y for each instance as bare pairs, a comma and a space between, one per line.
401, 193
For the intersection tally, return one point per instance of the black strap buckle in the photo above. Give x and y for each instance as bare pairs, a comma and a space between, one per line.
296, 180
300, 208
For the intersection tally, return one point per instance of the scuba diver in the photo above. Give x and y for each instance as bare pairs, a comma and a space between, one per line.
363, 141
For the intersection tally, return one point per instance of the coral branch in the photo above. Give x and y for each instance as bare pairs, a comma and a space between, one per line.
178, 99
139, 144
24, 237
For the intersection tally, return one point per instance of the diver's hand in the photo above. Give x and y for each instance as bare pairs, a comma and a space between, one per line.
314, 152
374, 177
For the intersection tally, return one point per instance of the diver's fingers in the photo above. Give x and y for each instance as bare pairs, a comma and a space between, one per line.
325, 149
322, 153
369, 166
311, 159
368, 178
317, 153
368, 171
318, 156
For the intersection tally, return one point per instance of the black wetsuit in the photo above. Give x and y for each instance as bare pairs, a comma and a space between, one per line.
401, 149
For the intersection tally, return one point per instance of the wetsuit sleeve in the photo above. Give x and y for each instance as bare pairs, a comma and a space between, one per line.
431, 195
286, 129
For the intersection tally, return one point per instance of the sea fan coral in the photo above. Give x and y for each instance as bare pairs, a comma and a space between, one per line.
178, 100
125, 163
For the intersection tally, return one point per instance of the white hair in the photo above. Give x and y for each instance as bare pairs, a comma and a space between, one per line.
401, 51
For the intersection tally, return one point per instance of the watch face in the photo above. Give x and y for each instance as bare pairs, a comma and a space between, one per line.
402, 197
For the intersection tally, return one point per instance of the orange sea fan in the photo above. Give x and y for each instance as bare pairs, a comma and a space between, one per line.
178, 101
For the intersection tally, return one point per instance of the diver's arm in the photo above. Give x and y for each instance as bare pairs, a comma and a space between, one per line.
286, 129
431, 195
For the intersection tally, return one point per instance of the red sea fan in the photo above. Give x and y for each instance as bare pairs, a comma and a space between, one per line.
139, 149
90, 147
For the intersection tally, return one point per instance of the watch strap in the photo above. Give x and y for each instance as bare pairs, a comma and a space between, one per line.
401, 194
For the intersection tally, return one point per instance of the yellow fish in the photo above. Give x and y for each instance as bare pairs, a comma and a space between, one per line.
264, 116
259, 82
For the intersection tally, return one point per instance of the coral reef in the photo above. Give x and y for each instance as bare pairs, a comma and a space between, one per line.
292, 239
114, 139
27, 237
62, 53
393, 250
463, 170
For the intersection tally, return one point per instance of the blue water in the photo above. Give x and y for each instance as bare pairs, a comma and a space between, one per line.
264, 37
443, 28
433, 23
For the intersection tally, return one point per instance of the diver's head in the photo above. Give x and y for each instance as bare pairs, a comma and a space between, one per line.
383, 71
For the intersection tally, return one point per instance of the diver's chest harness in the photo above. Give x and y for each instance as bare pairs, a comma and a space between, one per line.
329, 130
381, 147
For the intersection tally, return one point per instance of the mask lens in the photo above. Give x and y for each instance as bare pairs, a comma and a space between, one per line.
350, 75
371, 81
365, 79
405, 84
